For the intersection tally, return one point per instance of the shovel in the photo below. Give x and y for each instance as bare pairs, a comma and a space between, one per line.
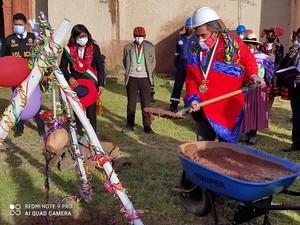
244, 89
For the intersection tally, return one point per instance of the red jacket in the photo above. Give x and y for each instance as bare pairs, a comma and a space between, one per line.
222, 79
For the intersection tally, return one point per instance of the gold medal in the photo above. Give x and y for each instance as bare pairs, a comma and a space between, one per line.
138, 58
138, 68
203, 88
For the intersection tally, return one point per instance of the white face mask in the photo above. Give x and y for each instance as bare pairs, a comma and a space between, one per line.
269, 47
19, 29
296, 43
82, 41
252, 50
203, 46
139, 40
241, 36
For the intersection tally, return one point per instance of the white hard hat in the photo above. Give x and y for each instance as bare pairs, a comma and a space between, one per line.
204, 15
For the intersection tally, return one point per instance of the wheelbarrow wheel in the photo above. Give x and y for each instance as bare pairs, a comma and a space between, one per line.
194, 199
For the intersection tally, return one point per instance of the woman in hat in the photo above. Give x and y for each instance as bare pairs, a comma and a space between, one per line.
86, 75
272, 47
256, 102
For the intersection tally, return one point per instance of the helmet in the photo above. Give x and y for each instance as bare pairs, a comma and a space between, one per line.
241, 28
188, 22
204, 15
139, 31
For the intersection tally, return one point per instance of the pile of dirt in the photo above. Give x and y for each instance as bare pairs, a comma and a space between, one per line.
237, 165
162, 113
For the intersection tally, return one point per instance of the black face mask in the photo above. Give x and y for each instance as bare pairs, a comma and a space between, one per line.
271, 39
188, 32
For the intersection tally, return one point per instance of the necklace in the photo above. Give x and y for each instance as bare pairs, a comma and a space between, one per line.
139, 57
81, 65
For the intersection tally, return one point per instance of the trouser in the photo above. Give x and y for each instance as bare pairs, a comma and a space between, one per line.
91, 115
295, 105
135, 86
39, 122
203, 128
179, 81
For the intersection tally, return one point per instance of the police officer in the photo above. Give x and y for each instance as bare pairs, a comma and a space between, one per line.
182, 50
18, 44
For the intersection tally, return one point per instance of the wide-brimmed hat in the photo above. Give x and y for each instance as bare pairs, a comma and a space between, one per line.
251, 38
86, 92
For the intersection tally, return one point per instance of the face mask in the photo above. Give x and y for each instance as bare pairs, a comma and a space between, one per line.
271, 39
19, 29
82, 41
252, 50
241, 36
296, 43
139, 40
207, 43
188, 31
269, 46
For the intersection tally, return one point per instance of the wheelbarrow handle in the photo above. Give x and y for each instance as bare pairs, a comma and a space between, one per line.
245, 89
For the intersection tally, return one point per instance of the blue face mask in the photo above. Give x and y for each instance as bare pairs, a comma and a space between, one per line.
296, 43
19, 29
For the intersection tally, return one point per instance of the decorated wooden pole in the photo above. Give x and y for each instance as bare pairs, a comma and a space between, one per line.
113, 183
85, 188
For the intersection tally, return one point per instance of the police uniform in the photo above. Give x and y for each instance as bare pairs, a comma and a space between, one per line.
19, 46
182, 50
15, 45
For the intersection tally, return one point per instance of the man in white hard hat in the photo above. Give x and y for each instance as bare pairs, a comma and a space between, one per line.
214, 68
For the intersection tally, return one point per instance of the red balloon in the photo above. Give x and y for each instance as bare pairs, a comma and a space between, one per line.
13, 70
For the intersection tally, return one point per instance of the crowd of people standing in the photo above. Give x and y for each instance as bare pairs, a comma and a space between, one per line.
208, 59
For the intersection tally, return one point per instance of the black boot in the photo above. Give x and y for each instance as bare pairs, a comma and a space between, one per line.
173, 107
127, 129
252, 137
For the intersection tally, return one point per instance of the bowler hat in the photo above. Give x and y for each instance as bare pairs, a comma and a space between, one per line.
86, 92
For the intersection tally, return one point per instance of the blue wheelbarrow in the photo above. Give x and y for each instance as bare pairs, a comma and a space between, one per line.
199, 185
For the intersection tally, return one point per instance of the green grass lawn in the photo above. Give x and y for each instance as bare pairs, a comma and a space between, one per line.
155, 167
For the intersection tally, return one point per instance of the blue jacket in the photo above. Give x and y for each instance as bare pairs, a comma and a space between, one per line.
182, 50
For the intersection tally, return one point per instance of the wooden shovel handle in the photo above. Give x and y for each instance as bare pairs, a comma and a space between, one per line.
219, 98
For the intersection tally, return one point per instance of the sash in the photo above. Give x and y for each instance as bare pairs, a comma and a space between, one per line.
90, 73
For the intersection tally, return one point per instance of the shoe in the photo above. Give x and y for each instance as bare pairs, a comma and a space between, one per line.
148, 130
127, 129
291, 149
252, 137
18, 133
41, 133
173, 108
252, 140
244, 137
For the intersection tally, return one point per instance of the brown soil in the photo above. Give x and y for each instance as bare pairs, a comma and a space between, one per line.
162, 113
237, 165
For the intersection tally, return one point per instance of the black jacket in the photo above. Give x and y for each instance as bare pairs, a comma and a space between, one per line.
97, 64
14, 46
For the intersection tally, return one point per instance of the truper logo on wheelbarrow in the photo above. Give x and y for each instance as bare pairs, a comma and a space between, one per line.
211, 181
